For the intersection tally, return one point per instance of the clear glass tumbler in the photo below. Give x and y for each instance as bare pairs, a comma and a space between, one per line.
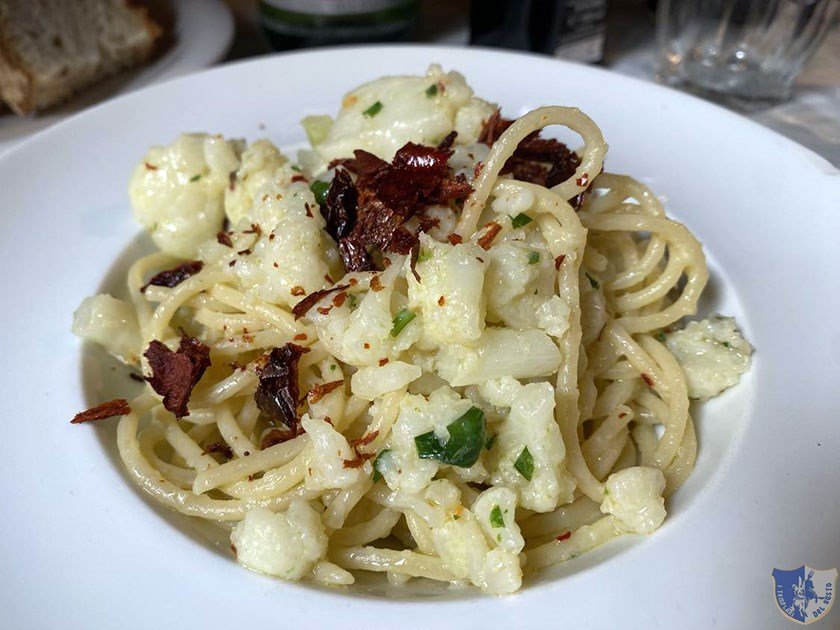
750, 49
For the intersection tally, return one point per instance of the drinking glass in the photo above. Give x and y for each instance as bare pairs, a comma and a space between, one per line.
749, 49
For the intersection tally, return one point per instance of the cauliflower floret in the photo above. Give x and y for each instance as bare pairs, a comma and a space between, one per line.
461, 545
449, 294
286, 545
634, 497
371, 382
464, 160
326, 467
359, 331
499, 352
287, 260
177, 191
520, 278
402, 467
470, 119
553, 316
260, 162
530, 451
712, 354
495, 510
111, 323
383, 115
500, 392
512, 202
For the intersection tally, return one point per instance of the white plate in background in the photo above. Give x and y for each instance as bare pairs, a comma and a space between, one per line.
203, 33
81, 549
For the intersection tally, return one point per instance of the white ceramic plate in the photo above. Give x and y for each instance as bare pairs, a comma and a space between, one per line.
81, 549
203, 32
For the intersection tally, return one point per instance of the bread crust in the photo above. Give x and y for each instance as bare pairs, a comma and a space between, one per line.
20, 88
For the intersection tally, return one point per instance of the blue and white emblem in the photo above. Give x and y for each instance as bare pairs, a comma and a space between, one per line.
804, 595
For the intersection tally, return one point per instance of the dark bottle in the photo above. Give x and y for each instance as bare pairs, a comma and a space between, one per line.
306, 23
571, 29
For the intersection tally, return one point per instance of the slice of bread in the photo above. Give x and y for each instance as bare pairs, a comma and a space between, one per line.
52, 48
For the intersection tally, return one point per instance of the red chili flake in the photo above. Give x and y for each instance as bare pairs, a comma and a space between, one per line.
308, 209
219, 447
175, 276
366, 345
364, 440
376, 284
300, 337
116, 407
232, 263
328, 420
150, 167
232, 180
275, 265
486, 239
339, 299
383, 362
246, 453
455, 239
559, 261
136, 377
564, 536
328, 278
233, 549
447, 141
250, 477
275, 436
386, 262
174, 374
647, 379
255, 229
302, 308
324, 310
353, 282
277, 393
298, 178
582, 180
247, 338
441, 300
224, 239
298, 290
322, 389
412, 261
623, 414
358, 461
271, 236
244, 252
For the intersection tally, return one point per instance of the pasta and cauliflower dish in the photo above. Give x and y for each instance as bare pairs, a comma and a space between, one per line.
436, 345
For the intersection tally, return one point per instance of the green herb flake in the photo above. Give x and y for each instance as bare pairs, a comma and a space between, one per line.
373, 110
533, 258
491, 441
296, 168
332, 367
520, 219
593, 282
525, 464
498, 538
423, 255
496, 518
467, 435
432, 90
401, 320
195, 178
319, 189
725, 344
354, 301
660, 336
377, 473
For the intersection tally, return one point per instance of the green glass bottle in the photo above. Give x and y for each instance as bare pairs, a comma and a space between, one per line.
305, 23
